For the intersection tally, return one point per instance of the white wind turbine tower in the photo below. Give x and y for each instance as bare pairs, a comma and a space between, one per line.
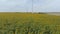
27, 8
32, 6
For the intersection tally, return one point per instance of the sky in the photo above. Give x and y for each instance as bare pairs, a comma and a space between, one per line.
26, 5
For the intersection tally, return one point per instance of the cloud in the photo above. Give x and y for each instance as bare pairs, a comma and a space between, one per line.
12, 5
26, 5
52, 6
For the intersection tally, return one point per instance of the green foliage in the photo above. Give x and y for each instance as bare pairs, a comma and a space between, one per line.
29, 25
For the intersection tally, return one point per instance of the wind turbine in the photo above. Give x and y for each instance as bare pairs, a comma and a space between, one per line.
27, 9
32, 6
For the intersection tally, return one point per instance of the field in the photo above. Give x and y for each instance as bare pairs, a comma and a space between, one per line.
28, 23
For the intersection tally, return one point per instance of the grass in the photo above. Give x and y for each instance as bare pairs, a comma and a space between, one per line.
28, 23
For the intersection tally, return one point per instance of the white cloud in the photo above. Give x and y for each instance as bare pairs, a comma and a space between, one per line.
26, 5
12, 5
52, 6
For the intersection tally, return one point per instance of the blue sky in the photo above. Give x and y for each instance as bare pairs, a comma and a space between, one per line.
26, 5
